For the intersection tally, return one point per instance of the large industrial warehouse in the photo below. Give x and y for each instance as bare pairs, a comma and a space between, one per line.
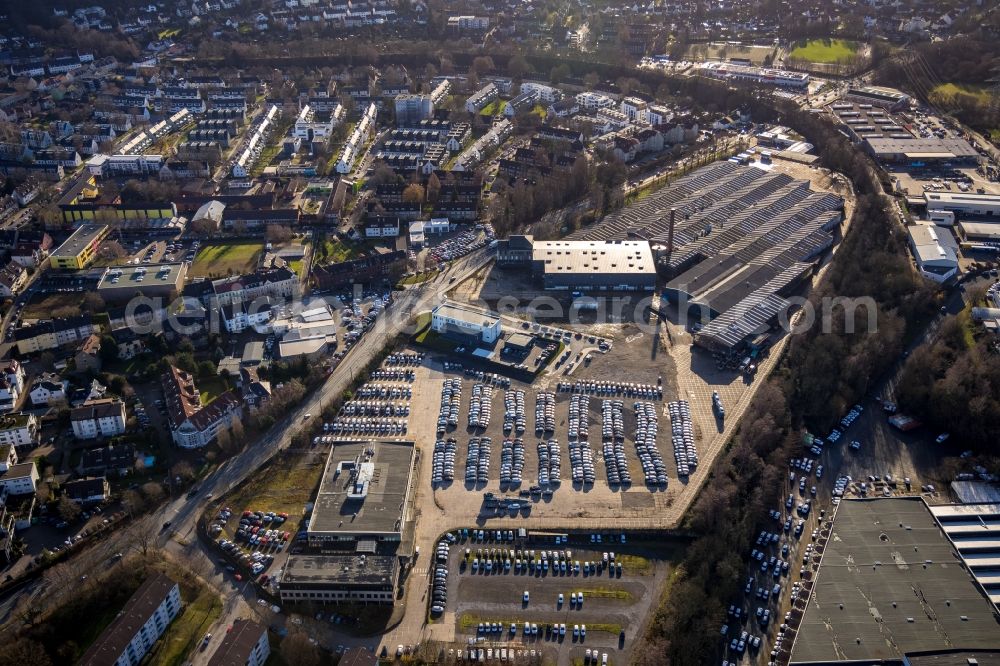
611, 265
733, 240
889, 588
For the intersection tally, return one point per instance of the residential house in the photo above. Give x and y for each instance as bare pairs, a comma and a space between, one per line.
18, 429
88, 355
279, 283
256, 391
130, 344
13, 277
192, 424
48, 388
115, 459
27, 192
239, 316
19, 479
11, 384
98, 418
87, 491
382, 266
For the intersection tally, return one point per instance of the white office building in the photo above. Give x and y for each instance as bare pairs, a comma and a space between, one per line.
465, 322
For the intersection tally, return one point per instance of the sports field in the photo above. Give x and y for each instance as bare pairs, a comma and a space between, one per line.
826, 51
226, 259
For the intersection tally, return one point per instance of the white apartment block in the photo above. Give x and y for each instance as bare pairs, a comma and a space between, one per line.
143, 620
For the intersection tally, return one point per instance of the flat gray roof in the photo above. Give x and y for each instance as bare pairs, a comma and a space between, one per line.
381, 510
598, 257
348, 569
956, 658
130, 278
79, 239
890, 584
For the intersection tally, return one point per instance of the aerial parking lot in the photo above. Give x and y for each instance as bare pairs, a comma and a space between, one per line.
602, 434
556, 598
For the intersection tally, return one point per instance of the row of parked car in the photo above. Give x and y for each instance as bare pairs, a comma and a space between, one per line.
477, 463
581, 460
404, 359
451, 399
375, 408
365, 425
375, 390
682, 437
549, 463
545, 412
579, 417
439, 590
512, 462
626, 389
653, 467
462, 244
481, 406
443, 461
514, 419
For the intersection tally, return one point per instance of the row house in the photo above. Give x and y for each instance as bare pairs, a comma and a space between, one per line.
279, 283
52, 334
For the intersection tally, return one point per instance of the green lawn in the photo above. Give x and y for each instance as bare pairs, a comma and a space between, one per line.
417, 278
824, 50
225, 259
494, 108
948, 91
295, 266
187, 630
210, 389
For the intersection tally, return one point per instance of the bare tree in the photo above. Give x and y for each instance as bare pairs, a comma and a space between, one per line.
68, 509
153, 492
239, 434
296, 649
132, 502
183, 470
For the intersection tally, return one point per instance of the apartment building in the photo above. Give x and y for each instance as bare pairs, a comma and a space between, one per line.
98, 418
145, 617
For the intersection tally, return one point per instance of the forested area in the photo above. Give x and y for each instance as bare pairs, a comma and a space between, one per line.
953, 383
958, 76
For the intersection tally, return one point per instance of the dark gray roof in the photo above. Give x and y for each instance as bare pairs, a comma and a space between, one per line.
890, 584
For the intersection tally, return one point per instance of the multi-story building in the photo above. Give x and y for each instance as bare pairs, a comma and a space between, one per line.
46, 389
465, 322
411, 109
245, 644
18, 430
19, 479
13, 277
481, 98
133, 632
98, 418
11, 384
192, 424
279, 283
87, 491
80, 248
52, 334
